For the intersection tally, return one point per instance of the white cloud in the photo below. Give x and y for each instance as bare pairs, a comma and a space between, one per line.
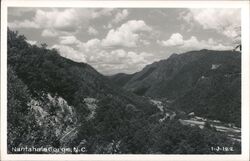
68, 40
126, 35
31, 42
193, 43
64, 20
92, 31
105, 61
67, 20
119, 61
175, 40
95, 52
222, 20
70, 53
121, 16
93, 45
49, 33
53, 19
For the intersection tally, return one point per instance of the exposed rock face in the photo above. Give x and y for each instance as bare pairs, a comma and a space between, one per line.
55, 117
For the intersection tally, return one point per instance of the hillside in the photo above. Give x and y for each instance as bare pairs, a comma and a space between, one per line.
56, 102
205, 82
120, 79
52, 81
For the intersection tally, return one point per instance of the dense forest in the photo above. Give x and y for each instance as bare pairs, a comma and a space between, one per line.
205, 82
56, 102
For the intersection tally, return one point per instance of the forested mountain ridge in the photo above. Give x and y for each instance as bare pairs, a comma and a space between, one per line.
55, 102
44, 70
206, 82
45, 74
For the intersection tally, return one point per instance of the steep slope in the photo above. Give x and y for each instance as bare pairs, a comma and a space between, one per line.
57, 85
44, 70
207, 82
120, 79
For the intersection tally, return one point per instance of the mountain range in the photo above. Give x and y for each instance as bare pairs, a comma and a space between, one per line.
205, 82
56, 102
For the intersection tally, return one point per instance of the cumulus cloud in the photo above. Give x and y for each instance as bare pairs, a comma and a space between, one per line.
222, 20
120, 61
57, 19
31, 42
105, 61
66, 20
193, 43
93, 45
49, 33
92, 31
126, 35
68, 40
114, 51
175, 40
111, 60
51, 19
121, 16
70, 53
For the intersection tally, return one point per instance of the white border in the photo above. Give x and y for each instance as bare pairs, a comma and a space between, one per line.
244, 5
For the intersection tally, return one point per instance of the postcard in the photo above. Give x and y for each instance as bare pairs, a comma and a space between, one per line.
124, 80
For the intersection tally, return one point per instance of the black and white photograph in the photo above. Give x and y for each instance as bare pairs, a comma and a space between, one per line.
124, 80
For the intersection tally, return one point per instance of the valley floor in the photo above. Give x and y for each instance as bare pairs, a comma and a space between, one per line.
192, 120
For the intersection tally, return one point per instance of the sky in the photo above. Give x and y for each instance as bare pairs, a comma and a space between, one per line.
124, 40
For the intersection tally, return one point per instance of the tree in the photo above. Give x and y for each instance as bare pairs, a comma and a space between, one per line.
44, 45
17, 109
